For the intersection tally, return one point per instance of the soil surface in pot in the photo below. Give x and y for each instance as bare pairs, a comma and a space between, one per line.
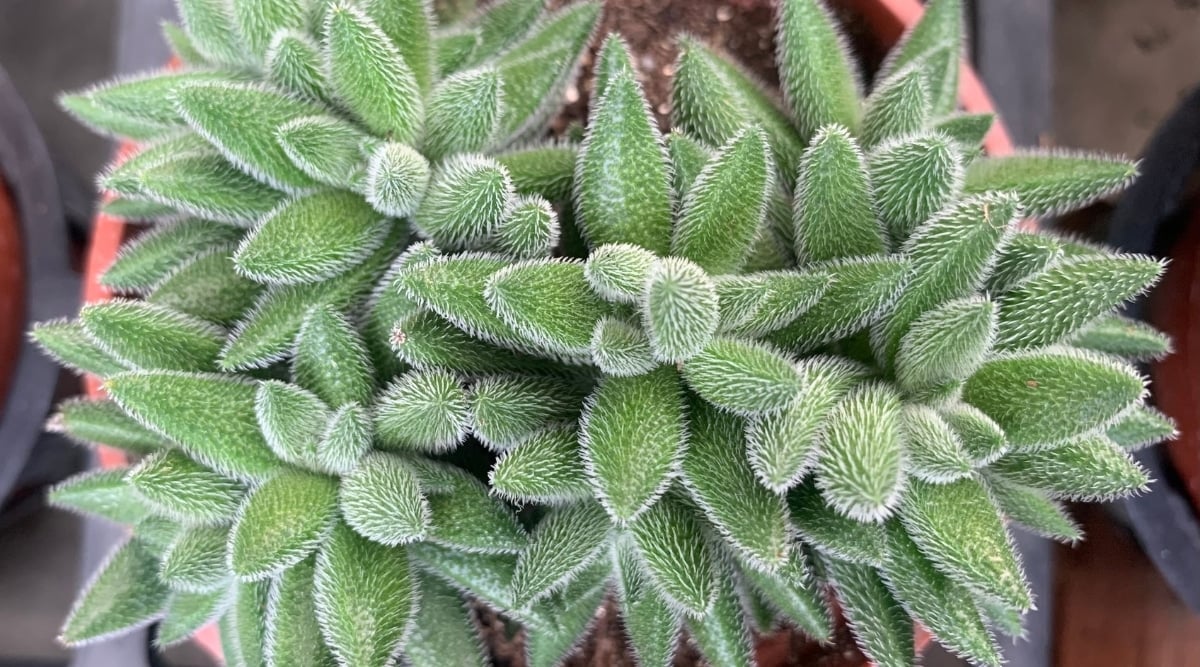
746, 30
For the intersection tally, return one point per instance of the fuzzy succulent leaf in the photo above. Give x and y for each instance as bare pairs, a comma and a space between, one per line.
899, 106
195, 560
950, 255
464, 113
240, 121
467, 198
1033, 510
564, 543
502, 23
944, 607
958, 528
572, 613
423, 411
486, 577
795, 594
831, 532
366, 598
530, 229
381, 500
425, 340
546, 169
125, 593
725, 207
1046, 396
370, 76
396, 179
1088, 468
679, 560
294, 62
549, 302
408, 24
934, 452
743, 377
507, 410
326, 148
186, 612
633, 432
618, 271
621, 349
652, 626
210, 23
881, 627
861, 291
546, 468
679, 309
1051, 183
945, 344
816, 72
138, 107
622, 181
346, 439
208, 186
176, 486
244, 626
182, 46
453, 47
101, 493
281, 523
468, 518
152, 337
913, 178
211, 417
208, 287
292, 419
293, 636
446, 634
1123, 337
968, 129
1057, 302
69, 344
258, 20
331, 359
722, 635
1142, 427
982, 438
860, 471
719, 478
147, 260
833, 216
101, 421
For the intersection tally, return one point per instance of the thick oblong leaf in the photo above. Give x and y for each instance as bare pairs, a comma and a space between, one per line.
346, 438
324, 147
622, 182
293, 636
186, 612
425, 340
548, 302
453, 287
446, 635
311, 238
618, 271
208, 287
485, 577
381, 500
294, 62
1047, 396
508, 409
743, 377
366, 598
1057, 302
1033, 510
211, 417
464, 113
281, 523
207, 186
258, 20
881, 628
211, 25
1142, 427
633, 432
717, 475
861, 471
670, 539
468, 518
722, 634
240, 120
368, 74
424, 411
832, 533
101, 421
912, 178
70, 345
331, 360
195, 560
396, 179
1089, 468
958, 528
782, 446
652, 626
563, 544
679, 309
833, 216
1052, 183
292, 421
152, 337
546, 169
530, 229
151, 257
934, 451
124, 594
467, 198
817, 74
1123, 337
795, 594
898, 106
546, 468
725, 208
946, 344
180, 488
621, 349
101, 493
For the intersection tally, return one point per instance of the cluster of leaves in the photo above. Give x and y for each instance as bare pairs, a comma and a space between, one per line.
792, 343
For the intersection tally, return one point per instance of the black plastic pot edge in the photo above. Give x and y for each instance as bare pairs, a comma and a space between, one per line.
1149, 218
51, 289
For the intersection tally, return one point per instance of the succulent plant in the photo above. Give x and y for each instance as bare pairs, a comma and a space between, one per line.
790, 344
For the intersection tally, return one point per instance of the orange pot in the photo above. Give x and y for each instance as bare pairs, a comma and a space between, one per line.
12, 290
887, 19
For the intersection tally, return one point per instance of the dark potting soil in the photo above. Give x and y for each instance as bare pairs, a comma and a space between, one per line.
744, 29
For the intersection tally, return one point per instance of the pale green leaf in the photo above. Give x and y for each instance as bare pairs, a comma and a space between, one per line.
621, 349
832, 533
294, 62
346, 438
679, 309
913, 178
281, 523
195, 560
152, 337
464, 113
674, 550
293, 637
1090, 468
466, 200
530, 229
618, 271
881, 627
1123, 337
208, 287
150, 258
860, 471
184, 490
1052, 183
934, 451
743, 377
546, 169
123, 594
899, 105
469, 518
833, 216
101, 493
396, 179
652, 626
795, 594
408, 24
423, 411
69, 344
816, 71
1139, 428
186, 612
722, 634
549, 302
210, 23
1033, 510
208, 186
292, 420
101, 421
546, 468
326, 148
447, 634
945, 344
507, 410
331, 359
565, 542
381, 500
258, 20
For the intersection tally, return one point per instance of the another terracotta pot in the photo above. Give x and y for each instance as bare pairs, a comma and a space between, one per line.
886, 19
12, 289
